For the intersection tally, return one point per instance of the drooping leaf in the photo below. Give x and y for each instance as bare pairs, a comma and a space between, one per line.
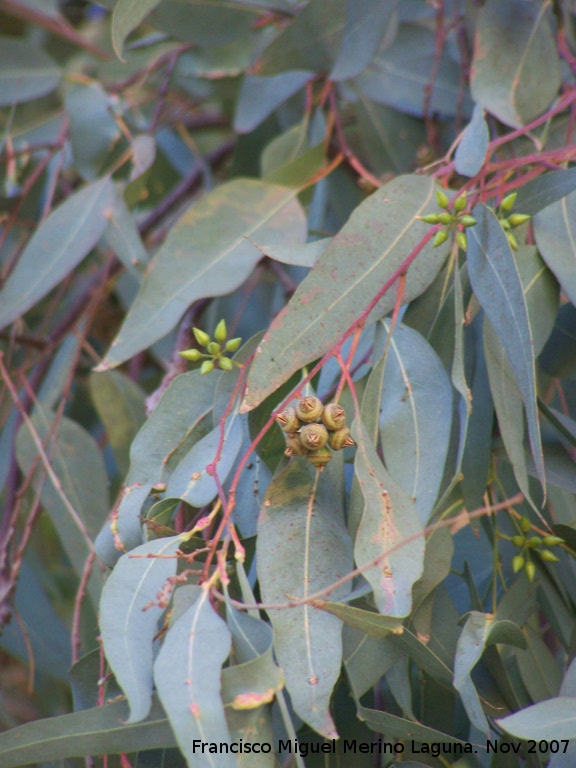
93, 129
498, 286
75, 494
26, 72
129, 612
120, 404
366, 23
59, 243
545, 190
296, 530
312, 40
369, 622
123, 237
190, 690
126, 16
555, 236
100, 730
207, 253
389, 518
512, 40
299, 255
193, 479
364, 255
471, 151
551, 719
399, 75
260, 96
416, 411
471, 644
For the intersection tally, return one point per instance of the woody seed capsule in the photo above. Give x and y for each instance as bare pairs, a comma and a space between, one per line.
309, 408
320, 458
313, 436
287, 420
333, 416
340, 439
293, 446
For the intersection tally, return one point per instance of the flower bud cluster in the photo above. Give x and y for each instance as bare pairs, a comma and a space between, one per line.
314, 430
215, 349
453, 218
514, 220
529, 544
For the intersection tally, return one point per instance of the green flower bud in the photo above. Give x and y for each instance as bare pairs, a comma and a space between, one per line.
530, 569
442, 199
505, 224
191, 354
552, 541
462, 240
547, 556
460, 202
516, 219
444, 218
467, 220
430, 218
220, 333
440, 237
518, 541
233, 344
508, 203
213, 348
201, 337
206, 367
512, 241
225, 363
525, 524
517, 563
534, 541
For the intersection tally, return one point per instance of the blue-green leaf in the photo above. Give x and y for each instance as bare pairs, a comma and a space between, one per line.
497, 284
129, 614
555, 233
551, 719
260, 96
26, 72
297, 528
469, 649
545, 190
59, 243
471, 151
416, 412
187, 674
389, 518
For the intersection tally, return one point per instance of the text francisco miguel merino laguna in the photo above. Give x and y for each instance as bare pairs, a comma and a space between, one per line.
328, 747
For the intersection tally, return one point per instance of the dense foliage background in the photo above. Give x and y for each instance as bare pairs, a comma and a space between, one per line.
377, 197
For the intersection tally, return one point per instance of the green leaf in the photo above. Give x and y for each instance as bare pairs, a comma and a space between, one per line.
295, 532
93, 129
497, 284
558, 358
545, 190
416, 412
207, 253
512, 39
366, 25
129, 614
26, 72
471, 151
58, 245
123, 237
369, 622
299, 255
389, 518
96, 731
191, 480
121, 406
471, 644
311, 41
76, 495
552, 719
555, 234
402, 728
126, 17
260, 96
190, 690
369, 249
400, 73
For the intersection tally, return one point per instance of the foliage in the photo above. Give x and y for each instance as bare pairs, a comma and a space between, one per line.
378, 198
